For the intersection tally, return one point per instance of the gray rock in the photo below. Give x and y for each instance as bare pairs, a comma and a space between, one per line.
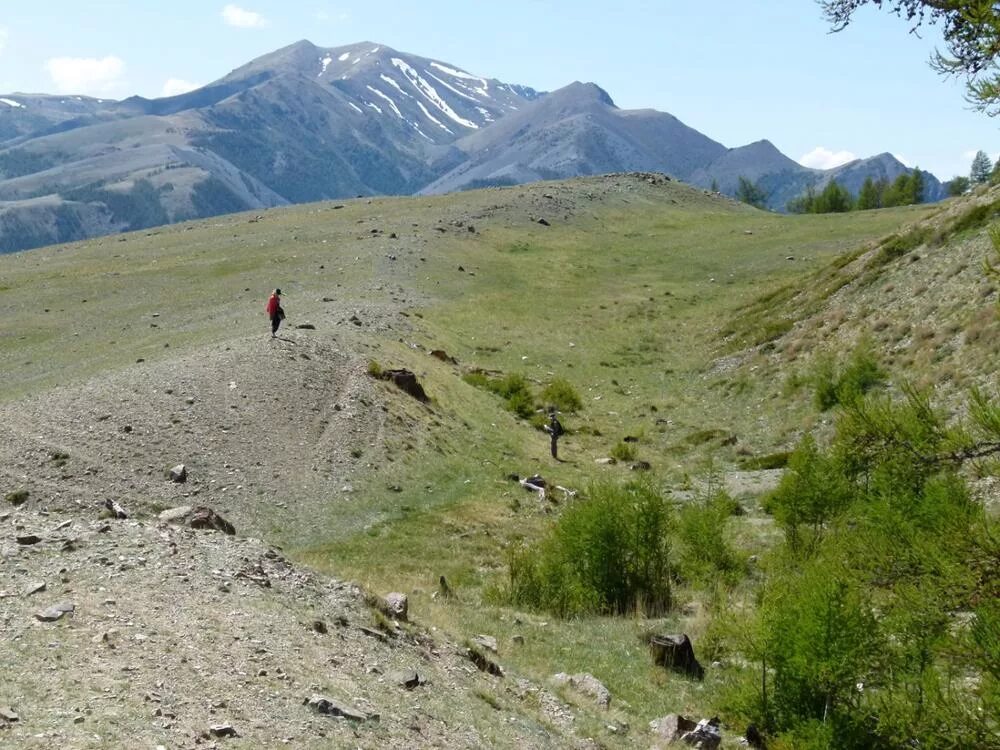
486, 641
407, 678
34, 588
330, 707
706, 735
609, 461
7, 714
397, 606
204, 517
176, 515
586, 684
222, 730
55, 612
671, 727
178, 474
28, 539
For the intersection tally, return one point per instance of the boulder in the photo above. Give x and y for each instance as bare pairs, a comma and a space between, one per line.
397, 606
178, 474
671, 727
8, 714
204, 517
330, 707
407, 382
588, 685
675, 652
198, 517
706, 735
407, 678
487, 642
55, 612
222, 730
176, 515
443, 356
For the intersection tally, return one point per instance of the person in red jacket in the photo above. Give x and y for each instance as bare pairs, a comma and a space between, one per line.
274, 311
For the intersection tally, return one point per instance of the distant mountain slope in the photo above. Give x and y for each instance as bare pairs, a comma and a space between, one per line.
307, 123
576, 130
783, 179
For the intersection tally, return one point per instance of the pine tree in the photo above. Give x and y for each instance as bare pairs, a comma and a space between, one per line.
981, 168
833, 200
869, 196
715, 186
917, 186
750, 192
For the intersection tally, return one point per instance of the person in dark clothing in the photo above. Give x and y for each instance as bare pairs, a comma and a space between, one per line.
274, 311
555, 430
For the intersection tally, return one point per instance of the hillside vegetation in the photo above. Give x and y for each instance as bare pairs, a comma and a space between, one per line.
683, 333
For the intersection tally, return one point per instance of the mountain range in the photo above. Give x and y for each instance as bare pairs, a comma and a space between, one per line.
307, 123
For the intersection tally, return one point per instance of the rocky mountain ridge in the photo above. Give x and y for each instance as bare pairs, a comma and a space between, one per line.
308, 123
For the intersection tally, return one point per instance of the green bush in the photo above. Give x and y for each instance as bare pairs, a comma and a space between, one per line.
861, 374
887, 633
561, 394
374, 369
17, 497
513, 388
607, 554
704, 555
624, 452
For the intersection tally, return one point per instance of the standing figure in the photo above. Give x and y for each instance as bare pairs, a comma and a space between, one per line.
555, 430
274, 311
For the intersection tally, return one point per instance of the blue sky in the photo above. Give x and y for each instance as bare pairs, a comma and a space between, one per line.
737, 71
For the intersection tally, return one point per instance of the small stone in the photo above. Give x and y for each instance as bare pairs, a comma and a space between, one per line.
28, 539
34, 588
319, 626
518, 639
609, 461
586, 684
8, 714
178, 474
55, 612
222, 730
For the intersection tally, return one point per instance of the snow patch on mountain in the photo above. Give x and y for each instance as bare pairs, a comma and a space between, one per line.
355, 106
483, 89
392, 104
374, 106
453, 89
431, 93
392, 82
344, 56
432, 118
12, 103
326, 64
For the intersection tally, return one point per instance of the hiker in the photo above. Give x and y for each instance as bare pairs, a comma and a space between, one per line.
274, 311
555, 430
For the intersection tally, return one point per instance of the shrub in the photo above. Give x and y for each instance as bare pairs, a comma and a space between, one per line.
861, 374
17, 497
561, 394
705, 556
374, 369
624, 451
607, 554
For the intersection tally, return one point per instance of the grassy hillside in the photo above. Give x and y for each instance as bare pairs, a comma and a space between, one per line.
686, 322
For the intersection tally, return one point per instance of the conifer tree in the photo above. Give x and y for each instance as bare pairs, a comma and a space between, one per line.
869, 196
981, 168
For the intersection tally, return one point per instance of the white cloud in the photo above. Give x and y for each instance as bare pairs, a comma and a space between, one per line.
86, 75
234, 15
3, 37
824, 158
175, 86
